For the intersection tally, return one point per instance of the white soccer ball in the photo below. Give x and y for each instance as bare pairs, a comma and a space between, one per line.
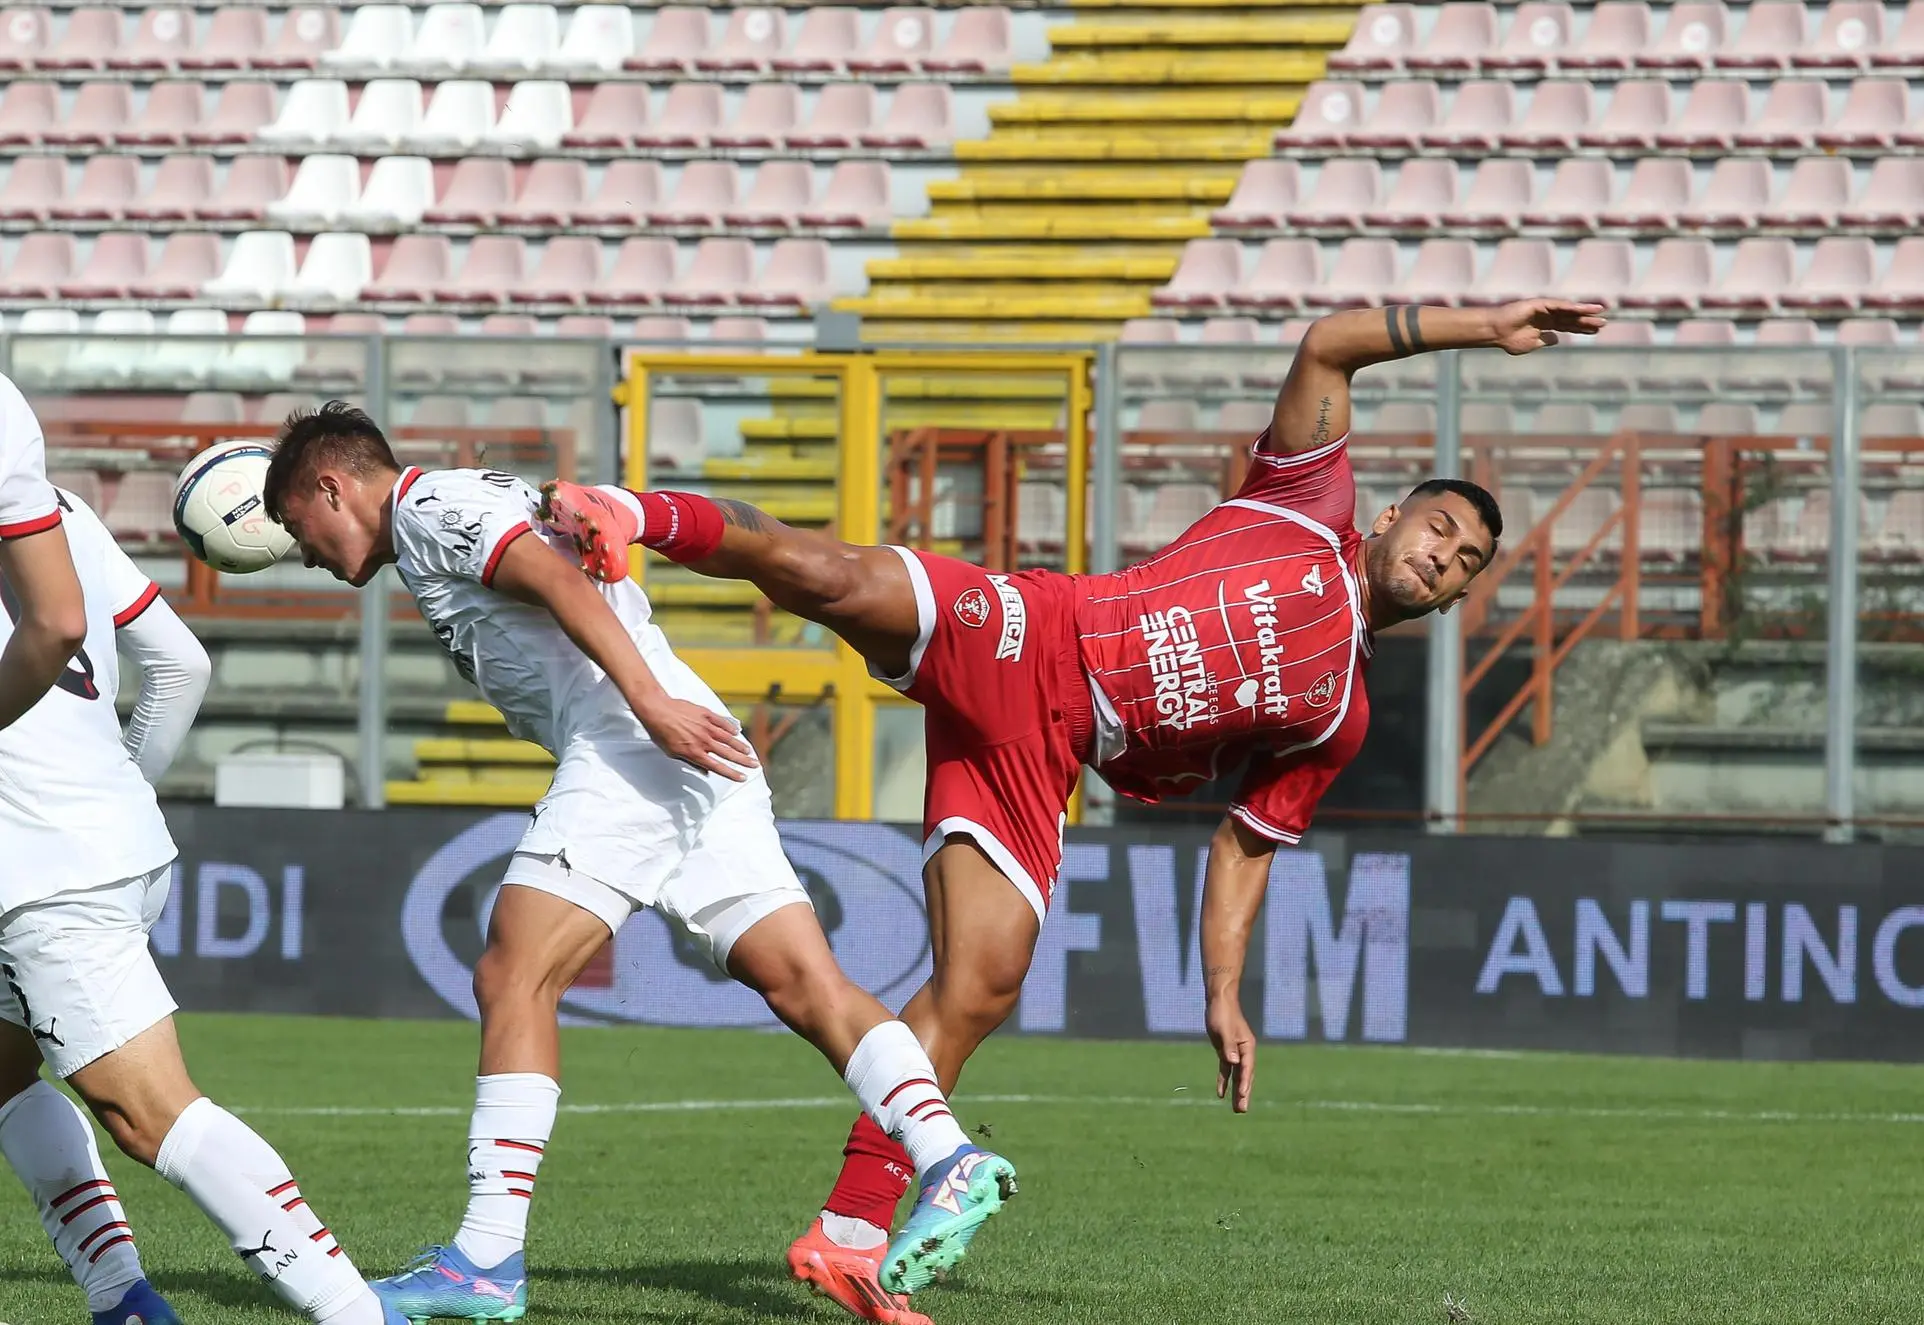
219, 510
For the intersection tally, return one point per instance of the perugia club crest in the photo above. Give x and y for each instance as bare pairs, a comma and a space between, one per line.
972, 608
1321, 690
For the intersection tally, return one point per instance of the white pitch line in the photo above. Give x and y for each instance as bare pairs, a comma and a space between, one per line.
1204, 1099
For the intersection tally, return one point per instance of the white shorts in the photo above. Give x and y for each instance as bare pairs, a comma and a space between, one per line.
78, 972
731, 874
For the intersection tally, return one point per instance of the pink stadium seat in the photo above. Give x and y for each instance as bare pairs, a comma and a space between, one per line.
477, 192
704, 192
1329, 113
45, 259
1638, 111
901, 42
1893, 196
100, 111
1761, 269
1843, 268
920, 116
981, 39
1476, 119
165, 33
692, 112
1462, 34
188, 260
243, 110
752, 38
1901, 535
1670, 525
829, 34
588, 326
1424, 191
1599, 271
142, 506
643, 270
1873, 112
182, 187
1658, 191
107, 184
717, 276
1790, 117
1851, 30
1578, 192
778, 197
35, 185
252, 184
118, 261
1558, 113
1903, 49
305, 33
1688, 372
1519, 269
1208, 272
615, 113
234, 39
1345, 189
796, 277
1619, 30
1728, 418
552, 192
27, 32
1815, 194
173, 111
677, 38
856, 196
494, 265
1384, 34
1538, 33
1734, 196
1266, 192
1499, 193
629, 188
1404, 112
569, 268
1443, 272
1603, 372
416, 266
1679, 272
1689, 40
741, 330
769, 112
1711, 118
843, 113
92, 35
1772, 31
1361, 277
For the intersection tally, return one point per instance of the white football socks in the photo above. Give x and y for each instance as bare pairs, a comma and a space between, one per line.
245, 1188
513, 1119
50, 1144
891, 1075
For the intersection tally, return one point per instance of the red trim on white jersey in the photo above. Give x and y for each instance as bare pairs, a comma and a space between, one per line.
39, 524
408, 478
500, 548
128, 614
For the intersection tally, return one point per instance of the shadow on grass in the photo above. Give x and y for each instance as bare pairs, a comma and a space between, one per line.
740, 1285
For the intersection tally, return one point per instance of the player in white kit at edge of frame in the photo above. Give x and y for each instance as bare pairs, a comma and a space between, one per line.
657, 801
85, 866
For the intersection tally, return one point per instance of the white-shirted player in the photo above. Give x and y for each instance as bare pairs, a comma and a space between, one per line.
656, 802
50, 620
86, 872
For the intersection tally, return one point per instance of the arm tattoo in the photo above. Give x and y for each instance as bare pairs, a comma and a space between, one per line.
743, 516
1320, 433
1397, 347
1417, 345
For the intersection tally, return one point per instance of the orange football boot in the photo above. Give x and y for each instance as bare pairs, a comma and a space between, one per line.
849, 1278
600, 527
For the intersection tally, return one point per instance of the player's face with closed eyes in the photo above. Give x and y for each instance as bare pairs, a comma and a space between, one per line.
1425, 553
332, 535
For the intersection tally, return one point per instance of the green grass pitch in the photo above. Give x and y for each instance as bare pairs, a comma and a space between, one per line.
1368, 1186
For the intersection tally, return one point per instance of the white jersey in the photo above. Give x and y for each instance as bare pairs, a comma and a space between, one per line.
27, 503
451, 529
75, 811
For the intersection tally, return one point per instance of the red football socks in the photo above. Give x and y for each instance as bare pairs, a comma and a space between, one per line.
682, 526
875, 1173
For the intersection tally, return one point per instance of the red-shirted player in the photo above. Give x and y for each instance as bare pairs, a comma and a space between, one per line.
1244, 642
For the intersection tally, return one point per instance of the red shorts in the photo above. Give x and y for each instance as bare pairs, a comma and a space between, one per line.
1007, 712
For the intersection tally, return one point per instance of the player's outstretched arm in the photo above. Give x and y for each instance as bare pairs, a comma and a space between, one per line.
1313, 407
50, 623
533, 573
1233, 886
174, 673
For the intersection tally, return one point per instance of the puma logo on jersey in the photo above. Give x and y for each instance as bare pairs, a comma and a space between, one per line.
1313, 581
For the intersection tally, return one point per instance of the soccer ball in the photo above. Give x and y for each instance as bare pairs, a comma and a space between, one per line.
219, 511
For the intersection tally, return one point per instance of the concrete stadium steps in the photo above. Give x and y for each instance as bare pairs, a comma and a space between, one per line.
1113, 154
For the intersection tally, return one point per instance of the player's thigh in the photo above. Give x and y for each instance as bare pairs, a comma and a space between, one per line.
866, 595
735, 878
982, 927
142, 1086
548, 923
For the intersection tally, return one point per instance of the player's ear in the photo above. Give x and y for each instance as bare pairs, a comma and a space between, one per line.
1389, 516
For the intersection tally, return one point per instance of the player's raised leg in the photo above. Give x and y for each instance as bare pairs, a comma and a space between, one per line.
49, 1144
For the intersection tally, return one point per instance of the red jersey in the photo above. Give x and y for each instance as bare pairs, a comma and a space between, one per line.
1243, 638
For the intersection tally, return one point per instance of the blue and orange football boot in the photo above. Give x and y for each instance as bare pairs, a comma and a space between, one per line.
444, 1284
958, 1196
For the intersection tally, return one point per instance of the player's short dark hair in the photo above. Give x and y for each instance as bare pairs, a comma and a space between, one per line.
1476, 494
337, 434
